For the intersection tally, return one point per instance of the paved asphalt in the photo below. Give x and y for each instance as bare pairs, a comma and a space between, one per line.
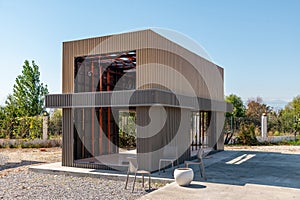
241, 175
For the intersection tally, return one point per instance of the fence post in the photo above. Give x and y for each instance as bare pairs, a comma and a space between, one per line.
45, 125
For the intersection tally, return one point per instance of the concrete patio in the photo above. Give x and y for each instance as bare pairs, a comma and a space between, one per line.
230, 175
243, 175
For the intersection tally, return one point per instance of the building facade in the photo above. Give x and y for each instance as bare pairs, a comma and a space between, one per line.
175, 95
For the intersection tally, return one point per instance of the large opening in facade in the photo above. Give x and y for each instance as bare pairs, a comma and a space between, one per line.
199, 131
105, 72
103, 138
104, 135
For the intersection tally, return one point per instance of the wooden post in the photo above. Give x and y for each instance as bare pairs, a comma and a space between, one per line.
100, 111
93, 114
108, 111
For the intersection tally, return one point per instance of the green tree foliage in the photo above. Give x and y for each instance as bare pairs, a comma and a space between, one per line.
27, 127
28, 91
11, 108
238, 106
2, 121
2, 112
233, 119
20, 117
55, 122
243, 127
290, 116
21, 128
274, 123
8, 114
127, 130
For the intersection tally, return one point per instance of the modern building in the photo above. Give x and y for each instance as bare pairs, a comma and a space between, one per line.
174, 94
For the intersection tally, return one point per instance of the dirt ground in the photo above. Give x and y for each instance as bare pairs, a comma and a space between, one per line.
289, 149
16, 160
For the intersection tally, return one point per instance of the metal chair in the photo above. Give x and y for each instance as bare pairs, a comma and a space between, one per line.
169, 155
200, 155
133, 168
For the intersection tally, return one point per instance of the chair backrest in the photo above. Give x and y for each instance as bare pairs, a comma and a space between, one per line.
133, 164
200, 153
170, 152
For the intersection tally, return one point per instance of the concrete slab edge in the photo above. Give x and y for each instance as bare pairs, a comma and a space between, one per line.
95, 174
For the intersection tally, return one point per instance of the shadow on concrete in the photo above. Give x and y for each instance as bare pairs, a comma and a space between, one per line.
11, 165
253, 167
244, 167
194, 186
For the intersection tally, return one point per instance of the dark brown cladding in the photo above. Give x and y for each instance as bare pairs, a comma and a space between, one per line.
152, 50
166, 74
134, 98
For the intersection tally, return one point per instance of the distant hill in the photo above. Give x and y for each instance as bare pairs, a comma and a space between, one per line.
276, 104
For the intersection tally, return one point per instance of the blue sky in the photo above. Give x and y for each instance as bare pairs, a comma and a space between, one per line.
256, 42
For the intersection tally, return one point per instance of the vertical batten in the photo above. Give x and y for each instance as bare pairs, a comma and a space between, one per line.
67, 154
150, 48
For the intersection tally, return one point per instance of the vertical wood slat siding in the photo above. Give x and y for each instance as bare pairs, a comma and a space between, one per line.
67, 142
170, 135
219, 122
137, 41
158, 76
145, 39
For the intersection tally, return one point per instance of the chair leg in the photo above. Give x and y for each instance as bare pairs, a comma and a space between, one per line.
127, 180
203, 171
200, 171
149, 181
159, 167
134, 182
143, 181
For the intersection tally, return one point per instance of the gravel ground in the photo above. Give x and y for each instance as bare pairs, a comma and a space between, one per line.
30, 185
16, 182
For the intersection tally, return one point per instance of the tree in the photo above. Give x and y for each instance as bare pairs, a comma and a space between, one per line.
255, 109
238, 106
8, 114
28, 91
232, 118
2, 122
290, 116
274, 123
11, 107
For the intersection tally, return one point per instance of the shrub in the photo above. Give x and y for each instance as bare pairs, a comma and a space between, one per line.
30, 127
55, 123
246, 135
127, 140
127, 130
276, 133
30, 143
22, 127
